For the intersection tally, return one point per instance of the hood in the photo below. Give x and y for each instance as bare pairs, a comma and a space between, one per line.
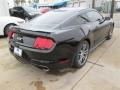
10, 18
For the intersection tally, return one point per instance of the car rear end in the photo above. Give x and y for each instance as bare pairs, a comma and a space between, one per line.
38, 48
42, 42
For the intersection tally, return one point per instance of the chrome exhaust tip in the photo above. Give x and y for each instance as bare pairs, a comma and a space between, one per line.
44, 68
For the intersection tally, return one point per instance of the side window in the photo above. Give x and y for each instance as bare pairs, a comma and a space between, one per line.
81, 19
92, 16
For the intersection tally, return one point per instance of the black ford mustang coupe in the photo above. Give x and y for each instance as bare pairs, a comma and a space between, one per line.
60, 37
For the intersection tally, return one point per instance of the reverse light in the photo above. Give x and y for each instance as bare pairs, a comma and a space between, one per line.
43, 43
10, 34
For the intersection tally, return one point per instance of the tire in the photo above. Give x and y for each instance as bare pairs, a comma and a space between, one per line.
7, 29
110, 33
81, 55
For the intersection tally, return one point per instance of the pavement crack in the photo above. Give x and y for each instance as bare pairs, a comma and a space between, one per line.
94, 64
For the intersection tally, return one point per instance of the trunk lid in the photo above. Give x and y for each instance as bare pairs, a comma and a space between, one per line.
27, 37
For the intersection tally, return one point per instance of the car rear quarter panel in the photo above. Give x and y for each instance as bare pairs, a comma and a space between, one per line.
88, 30
72, 34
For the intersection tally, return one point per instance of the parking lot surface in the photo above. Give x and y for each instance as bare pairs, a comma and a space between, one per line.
102, 71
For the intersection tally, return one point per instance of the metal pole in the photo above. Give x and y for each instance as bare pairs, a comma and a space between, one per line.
112, 8
93, 3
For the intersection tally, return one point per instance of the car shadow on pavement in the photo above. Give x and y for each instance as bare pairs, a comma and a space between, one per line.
60, 72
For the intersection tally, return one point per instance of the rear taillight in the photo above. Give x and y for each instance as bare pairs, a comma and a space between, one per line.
10, 34
43, 43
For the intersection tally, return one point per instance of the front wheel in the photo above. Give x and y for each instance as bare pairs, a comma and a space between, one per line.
110, 33
81, 55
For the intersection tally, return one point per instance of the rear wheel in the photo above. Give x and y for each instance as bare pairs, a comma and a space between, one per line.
81, 55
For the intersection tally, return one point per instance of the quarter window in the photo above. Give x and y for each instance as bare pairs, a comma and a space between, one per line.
92, 16
81, 19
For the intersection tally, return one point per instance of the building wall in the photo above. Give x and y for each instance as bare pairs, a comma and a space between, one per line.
48, 1
88, 3
4, 11
80, 3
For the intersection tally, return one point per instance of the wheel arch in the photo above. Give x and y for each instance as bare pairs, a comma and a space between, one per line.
73, 58
88, 40
8, 25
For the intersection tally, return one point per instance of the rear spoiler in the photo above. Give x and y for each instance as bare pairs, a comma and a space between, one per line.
18, 30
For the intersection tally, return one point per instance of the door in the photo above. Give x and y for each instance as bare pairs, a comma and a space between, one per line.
98, 24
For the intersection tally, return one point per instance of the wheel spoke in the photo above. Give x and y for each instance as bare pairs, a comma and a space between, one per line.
81, 58
86, 51
83, 53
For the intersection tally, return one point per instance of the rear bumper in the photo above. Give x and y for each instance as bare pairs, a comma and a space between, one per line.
61, 55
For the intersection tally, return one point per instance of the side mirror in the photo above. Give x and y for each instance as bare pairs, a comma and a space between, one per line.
107, 18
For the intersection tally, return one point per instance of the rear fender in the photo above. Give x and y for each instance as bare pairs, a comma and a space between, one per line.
89, 34
69, 35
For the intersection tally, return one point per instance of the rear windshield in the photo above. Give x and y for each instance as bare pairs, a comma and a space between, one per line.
30, 9
50, 19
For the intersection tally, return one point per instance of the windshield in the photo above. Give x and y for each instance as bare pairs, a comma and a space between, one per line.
30, 9
50, 19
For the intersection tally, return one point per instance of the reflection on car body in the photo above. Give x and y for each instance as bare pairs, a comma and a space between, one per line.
60, 37
24, 12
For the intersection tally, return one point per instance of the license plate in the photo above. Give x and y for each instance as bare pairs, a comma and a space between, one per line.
17, 51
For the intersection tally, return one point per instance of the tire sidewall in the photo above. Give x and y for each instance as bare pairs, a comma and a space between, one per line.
110, 35
76, 61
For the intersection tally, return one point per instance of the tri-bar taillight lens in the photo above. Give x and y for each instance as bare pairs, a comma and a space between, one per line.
43, 43
10, 34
